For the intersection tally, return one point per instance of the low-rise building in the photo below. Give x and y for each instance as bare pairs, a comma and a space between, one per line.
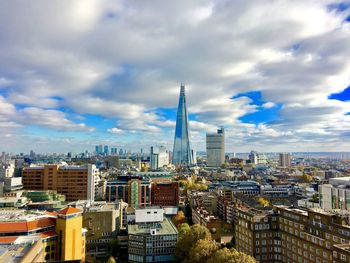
152, 237
202, 217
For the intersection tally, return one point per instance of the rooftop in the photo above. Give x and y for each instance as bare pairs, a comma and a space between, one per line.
69, 211
163, 228
20, 215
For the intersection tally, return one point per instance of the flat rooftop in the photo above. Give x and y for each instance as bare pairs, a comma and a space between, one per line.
163, 228
20, 215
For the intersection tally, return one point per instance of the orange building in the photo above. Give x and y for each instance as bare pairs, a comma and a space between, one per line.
43, 236
75, 182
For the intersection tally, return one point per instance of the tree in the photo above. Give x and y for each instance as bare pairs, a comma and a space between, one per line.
230, 256
307, 178
189, 239
263, 202
201, 251
111, 260
182, 229
179, 218
114, 247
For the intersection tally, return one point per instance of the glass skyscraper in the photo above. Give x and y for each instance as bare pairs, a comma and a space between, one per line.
182, 154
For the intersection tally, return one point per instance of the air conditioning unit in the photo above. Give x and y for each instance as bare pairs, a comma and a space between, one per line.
153, 231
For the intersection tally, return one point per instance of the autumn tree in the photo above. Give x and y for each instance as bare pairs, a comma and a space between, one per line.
182, 229
230, 256
111, 260
263, 202
179, 218
201, 251
189, 240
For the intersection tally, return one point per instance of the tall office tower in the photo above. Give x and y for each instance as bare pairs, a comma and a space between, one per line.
285, 160
105, 150
216, 148
182, 154
159, 157
96, 149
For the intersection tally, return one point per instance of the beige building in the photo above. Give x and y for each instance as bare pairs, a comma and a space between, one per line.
216, 148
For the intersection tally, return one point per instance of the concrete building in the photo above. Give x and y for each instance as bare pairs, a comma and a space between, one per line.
165, 194
159, 157
100, 219
285, 160
257, 158
75, 182
336, 194
7, 170
152, 238
216, 148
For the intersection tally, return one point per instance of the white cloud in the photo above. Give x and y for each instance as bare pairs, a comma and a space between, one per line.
124, 59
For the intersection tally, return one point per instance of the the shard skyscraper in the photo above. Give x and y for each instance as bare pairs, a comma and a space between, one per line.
182, 154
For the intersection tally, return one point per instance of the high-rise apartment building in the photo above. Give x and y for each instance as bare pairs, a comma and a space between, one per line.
285, 159
159, 157
182, 154
75, 182
216, 148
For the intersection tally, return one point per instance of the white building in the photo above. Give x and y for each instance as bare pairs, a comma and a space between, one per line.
336, 194
93, 180
216, 148
159, 157
257, 158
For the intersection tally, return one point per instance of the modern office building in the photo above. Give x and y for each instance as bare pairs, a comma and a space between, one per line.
165, 193
152, 237
135, 191
159, 157
182, 153
285, 159
75, 182
106, 150
216, 148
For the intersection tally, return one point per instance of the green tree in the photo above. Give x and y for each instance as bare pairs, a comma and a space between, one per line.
307, 178
230, 256
114, 248
202, 250
183, 228
189, 239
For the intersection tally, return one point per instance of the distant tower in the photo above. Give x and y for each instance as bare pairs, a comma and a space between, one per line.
182, 154
216, 148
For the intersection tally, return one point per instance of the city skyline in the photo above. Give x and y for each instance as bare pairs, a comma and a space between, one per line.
275, 75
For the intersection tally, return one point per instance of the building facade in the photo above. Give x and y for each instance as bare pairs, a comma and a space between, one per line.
135, 191
182, 153
152, 238
75, 182
165, 194
285, 160
215, 148
159, 157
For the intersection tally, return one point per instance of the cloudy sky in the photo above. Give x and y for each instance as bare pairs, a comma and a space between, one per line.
76, 73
